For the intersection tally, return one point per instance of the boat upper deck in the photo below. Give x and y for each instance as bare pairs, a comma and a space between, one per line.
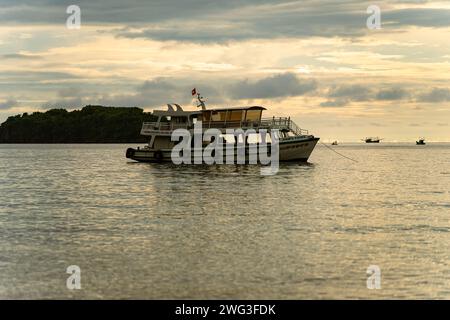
222, 119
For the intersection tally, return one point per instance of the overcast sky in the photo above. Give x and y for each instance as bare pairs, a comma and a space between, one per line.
314, 60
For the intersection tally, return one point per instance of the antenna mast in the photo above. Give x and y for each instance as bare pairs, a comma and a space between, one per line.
201, 102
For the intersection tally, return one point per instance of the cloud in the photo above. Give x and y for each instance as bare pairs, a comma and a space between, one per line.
412, 1
436, 95
377, 124
392, 94
66, 103
345, 94
35, 76
335, 103
257, 20
21, 56
283, 20
341, 95
70, 92
108, 11
222, 21
420, 17
351, 92
163, 90
150, 94
277, 86
8, 104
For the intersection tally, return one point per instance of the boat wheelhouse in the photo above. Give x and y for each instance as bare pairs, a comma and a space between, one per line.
295, 144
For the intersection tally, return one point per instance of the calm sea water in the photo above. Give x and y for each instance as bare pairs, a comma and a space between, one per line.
160, 231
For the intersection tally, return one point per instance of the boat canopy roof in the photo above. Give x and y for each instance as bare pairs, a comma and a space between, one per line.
173, 113
238, 108
181, 113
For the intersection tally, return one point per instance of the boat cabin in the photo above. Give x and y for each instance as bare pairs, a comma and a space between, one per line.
171, 119
222, 119
232, 117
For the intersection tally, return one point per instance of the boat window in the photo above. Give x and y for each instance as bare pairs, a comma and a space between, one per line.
215, 116
228, 138
253, 115
206, 116
179, 119
218, 116
252, 138
235, 115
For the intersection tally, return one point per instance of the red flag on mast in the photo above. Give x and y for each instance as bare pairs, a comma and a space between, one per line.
194, 92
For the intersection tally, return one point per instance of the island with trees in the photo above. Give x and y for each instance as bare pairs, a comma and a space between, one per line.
91, 124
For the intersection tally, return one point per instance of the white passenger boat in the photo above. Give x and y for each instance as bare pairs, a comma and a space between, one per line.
295, 144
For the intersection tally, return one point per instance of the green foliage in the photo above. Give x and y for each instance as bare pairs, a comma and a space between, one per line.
92, 124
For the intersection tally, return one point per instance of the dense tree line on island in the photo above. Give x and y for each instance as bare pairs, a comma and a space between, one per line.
92, 124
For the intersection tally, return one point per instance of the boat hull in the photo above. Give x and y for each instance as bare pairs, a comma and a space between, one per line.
292, 149
297, 149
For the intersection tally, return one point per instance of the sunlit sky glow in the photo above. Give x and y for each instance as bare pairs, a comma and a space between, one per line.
314, 60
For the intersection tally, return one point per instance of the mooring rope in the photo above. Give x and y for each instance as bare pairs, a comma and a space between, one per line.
338, 152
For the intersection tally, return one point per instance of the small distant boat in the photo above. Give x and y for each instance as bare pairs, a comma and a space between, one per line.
335, 143
372, 140
421, 141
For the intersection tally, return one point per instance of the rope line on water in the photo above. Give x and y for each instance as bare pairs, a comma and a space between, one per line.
338, 152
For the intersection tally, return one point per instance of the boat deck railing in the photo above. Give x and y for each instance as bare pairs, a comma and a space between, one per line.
283, 123
161, 127
280, 123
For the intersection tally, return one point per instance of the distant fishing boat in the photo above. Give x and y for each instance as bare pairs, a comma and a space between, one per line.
335, 143
421, 141
372, 140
